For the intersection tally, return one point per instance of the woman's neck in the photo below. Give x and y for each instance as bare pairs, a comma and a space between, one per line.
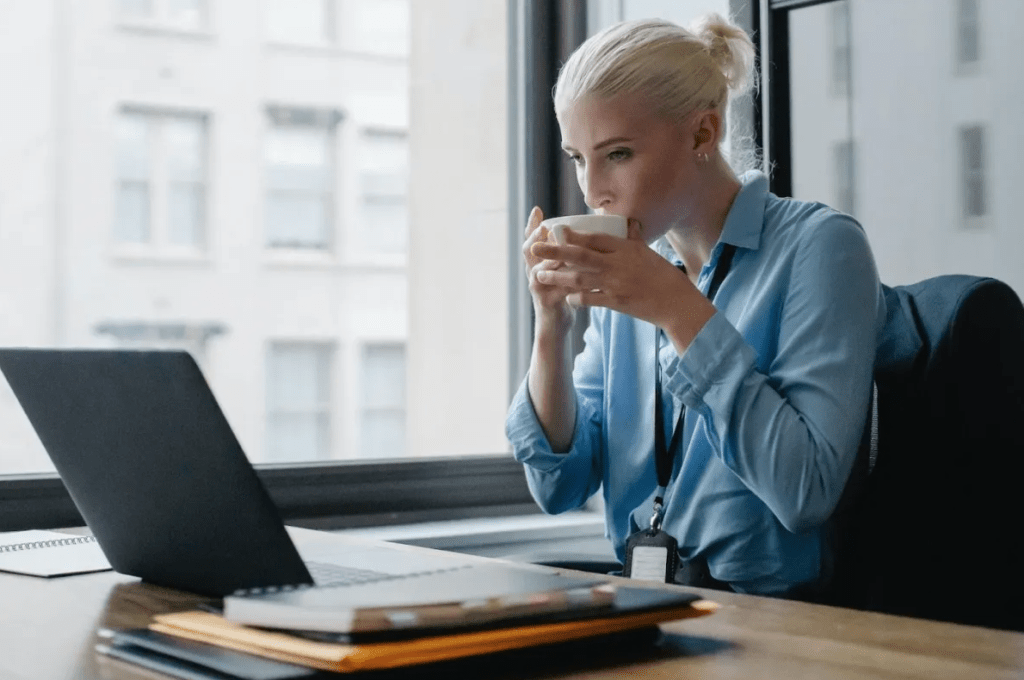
695, 237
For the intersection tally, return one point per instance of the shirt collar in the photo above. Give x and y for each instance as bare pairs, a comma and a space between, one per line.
743, 224
745, 220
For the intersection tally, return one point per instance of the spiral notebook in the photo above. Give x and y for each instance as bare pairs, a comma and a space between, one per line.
50, 553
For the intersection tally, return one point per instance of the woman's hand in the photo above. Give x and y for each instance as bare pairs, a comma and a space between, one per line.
627, 276
552, 310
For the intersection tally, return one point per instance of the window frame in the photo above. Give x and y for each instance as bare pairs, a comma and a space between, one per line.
349, 494
772, 100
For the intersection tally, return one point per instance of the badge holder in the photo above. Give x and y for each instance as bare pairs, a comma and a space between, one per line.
651, 554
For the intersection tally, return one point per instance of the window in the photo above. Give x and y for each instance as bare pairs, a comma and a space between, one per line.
382, 422
972, 175
161, 180
840, 11
844, 164
300, 177
384, 191
298, 402
182, 14
308, 22
934, 156
968, 39
96, 162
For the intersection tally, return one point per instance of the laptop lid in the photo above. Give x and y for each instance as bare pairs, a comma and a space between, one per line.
153, 466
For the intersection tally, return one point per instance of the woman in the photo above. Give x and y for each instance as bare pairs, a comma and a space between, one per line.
762, 395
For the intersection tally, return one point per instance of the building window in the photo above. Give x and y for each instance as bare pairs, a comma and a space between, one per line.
844, 169
298, 402
382, 417
307, 22
183, 14
968, 40
841, 52
161, 180
972, 173
300, 179
384, 191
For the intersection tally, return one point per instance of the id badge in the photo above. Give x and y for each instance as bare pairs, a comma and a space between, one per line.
651, 555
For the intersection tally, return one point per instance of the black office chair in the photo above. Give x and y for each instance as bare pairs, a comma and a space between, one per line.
935, 531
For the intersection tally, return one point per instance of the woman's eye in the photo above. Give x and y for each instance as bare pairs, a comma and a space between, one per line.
576, 158
619, 155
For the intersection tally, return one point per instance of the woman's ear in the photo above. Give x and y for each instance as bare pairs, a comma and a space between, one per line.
706, 130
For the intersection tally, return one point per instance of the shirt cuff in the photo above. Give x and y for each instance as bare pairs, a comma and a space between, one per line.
718, 355
529, 443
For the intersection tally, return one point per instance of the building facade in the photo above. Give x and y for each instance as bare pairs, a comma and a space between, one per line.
235, 179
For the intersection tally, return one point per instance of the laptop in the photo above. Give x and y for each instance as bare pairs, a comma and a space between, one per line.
153, 466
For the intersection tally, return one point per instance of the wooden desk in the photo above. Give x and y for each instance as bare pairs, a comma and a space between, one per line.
47, 629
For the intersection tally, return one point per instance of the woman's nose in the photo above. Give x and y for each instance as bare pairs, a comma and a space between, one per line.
595, 189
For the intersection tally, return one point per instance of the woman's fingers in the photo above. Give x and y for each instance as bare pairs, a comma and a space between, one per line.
580, 251
534, 220
570, 279
533, 235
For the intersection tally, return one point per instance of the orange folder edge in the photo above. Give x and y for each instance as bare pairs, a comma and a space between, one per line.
343, 658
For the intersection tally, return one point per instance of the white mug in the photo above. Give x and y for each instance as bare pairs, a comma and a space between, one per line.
614, 225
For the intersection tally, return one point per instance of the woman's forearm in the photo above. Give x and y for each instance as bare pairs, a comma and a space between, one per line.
551, 388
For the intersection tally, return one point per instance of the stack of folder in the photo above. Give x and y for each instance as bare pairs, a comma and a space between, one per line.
183, 644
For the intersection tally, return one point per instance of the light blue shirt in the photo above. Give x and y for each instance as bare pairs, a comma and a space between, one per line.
776, 388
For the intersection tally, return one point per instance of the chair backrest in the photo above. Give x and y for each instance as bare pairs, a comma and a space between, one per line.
936, 531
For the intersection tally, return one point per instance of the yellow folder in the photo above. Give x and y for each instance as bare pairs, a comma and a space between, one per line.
343, 658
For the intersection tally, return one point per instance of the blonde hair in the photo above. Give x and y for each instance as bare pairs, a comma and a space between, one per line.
679, 70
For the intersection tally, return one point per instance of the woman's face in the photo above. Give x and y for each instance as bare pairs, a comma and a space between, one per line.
630, 161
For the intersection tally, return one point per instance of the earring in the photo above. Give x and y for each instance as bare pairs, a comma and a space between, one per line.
702, 157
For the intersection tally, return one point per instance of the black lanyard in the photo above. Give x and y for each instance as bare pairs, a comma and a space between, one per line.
663, 455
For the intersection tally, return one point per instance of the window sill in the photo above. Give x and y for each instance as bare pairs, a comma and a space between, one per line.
377, 262
328, 496
309, 259
155, 28
299, 258
571, 535
158, 256
327, 49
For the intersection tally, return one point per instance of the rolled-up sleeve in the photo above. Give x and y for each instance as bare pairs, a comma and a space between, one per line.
563, 481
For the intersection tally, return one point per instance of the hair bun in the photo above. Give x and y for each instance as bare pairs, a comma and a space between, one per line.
729, 47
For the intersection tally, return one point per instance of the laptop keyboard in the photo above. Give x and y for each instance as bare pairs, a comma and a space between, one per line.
327, 574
